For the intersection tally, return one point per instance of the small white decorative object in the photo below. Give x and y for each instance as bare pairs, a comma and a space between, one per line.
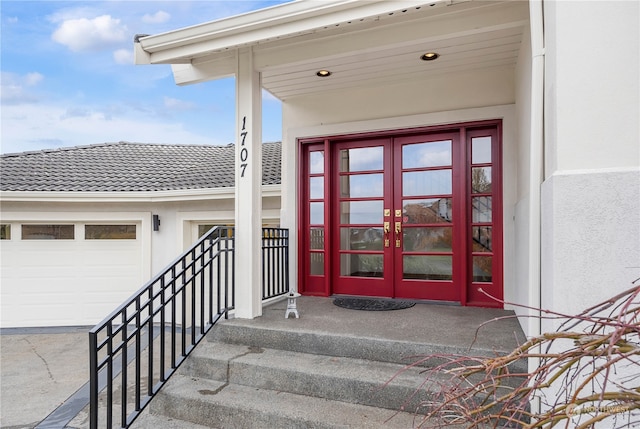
291, 305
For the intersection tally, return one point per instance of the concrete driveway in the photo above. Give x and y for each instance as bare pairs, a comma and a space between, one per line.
39, 369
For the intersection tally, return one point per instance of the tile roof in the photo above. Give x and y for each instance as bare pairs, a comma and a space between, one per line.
129, 167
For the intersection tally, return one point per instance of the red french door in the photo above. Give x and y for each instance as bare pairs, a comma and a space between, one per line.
361, 205
407, 216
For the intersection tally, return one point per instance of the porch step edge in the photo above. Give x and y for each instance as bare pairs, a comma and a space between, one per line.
220, 405
379, 384
147, 420
342, 345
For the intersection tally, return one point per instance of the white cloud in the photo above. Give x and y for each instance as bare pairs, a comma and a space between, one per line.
157, 18
32, 79
175, 104
82, 34
15, 88
12, 20
123, 56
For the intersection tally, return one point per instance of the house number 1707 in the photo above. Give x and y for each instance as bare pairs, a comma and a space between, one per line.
244, 152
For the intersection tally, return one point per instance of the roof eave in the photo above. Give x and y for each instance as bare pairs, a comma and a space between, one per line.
289, 19
132, 197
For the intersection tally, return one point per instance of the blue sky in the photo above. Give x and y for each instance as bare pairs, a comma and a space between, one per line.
68, 77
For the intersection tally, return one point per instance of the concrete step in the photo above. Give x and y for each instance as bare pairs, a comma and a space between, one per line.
300, 338
331, 368
219, 405
379, 384
147, 420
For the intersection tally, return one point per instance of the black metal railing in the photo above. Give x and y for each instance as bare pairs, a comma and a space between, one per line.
275, 262
135, 350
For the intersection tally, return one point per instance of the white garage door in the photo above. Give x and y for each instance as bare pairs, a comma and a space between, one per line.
68, 274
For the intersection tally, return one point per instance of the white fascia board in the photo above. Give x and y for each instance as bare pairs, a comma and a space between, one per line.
299, 17
184, 74
112, 197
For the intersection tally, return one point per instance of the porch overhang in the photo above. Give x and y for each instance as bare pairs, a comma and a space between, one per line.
362, 43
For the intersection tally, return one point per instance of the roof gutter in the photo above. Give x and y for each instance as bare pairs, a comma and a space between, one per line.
277, 22
130, 197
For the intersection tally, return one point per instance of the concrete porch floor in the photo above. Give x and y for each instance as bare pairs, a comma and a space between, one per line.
427, 325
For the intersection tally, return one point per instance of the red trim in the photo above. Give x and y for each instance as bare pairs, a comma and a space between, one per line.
460, 134
495, 287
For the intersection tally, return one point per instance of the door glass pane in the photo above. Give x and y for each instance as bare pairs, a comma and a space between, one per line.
361, 238
359, 265
317, 238
316, 188
481, 150
433, 154
481, 180
316, 162
482, 269
361, 159
316, 212
359, 212
481, 238
434, 239
361, 185
432, 210
317, 264
481, 209
437, 267
434, 182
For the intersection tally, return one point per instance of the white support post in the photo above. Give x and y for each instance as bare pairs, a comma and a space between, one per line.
248, 198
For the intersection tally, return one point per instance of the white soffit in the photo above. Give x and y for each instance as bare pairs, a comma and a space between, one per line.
362, 43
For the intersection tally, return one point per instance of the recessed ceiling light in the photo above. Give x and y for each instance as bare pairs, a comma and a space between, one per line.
323, 73
429, 56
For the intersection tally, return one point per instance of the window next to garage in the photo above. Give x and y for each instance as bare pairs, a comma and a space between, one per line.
109, 232
5, 231
48, 232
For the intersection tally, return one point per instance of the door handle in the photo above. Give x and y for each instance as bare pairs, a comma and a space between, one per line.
398, 233
386, 228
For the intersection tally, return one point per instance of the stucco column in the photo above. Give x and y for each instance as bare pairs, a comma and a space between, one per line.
248, 201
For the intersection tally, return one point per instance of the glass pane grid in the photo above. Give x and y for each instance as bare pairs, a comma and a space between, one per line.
427, 154
316, 162
361, 238
427, 182
361, 159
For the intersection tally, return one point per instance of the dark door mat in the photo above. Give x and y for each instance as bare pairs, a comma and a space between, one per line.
370, 304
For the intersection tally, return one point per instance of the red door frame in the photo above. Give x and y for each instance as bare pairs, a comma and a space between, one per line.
469, 293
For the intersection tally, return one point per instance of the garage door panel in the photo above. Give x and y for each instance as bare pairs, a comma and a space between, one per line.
116, 271
67, 282
43, 314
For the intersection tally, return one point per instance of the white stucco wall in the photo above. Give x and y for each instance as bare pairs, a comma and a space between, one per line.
591, 237
489, 87
592, 84
591, 195
167, 243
